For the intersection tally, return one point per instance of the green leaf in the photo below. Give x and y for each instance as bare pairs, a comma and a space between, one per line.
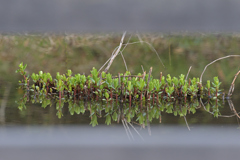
129, 87
106, 95
175, 81
69, 73
103, 74
20, 65
77, 109
208, 85
59, 114
115, 116
94, 120
71, 110
115, 83
150, 87
108, 120
169, 80
25, 66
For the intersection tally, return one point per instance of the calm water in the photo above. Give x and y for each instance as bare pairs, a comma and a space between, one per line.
177, 54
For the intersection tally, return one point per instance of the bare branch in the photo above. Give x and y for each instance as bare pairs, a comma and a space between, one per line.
188, 72
116, 53
214, 62
231, 89
187, 123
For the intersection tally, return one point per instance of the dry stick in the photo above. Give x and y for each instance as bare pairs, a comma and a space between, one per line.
225, 116
231, 89
188, 72
187, 123
136, 131
108, 59
142, 68
144, 73
150, 47
125, 45
105, 64
126, 129
160, 77
131, 44
149, 76
214, 62
233, 108
116, 53
124, 61
122, 53
139, 37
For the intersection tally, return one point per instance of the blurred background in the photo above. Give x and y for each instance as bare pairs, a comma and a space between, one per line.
57, 35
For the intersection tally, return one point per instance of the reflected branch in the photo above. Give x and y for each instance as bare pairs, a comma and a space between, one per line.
231, 89
233, 108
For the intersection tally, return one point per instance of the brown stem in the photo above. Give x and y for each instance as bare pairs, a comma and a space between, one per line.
116, 97
130, 99
157, 99
60, 94
153, 98
74, 94
160, 77
111, 93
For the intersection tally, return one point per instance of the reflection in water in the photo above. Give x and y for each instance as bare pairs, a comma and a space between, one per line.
141, 113
179, 59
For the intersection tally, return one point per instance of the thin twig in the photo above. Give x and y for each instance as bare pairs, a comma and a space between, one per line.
142, 68
136, 131
139, 37
124, 61
108, 59
153, 49
126, 129
231, 89
188, 72
149, 77
125, 45
121, 52
233, 108
187, 123
116, 53
214, 62
225, 116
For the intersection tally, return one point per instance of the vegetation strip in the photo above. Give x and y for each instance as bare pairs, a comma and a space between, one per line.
173, 95
126, 87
